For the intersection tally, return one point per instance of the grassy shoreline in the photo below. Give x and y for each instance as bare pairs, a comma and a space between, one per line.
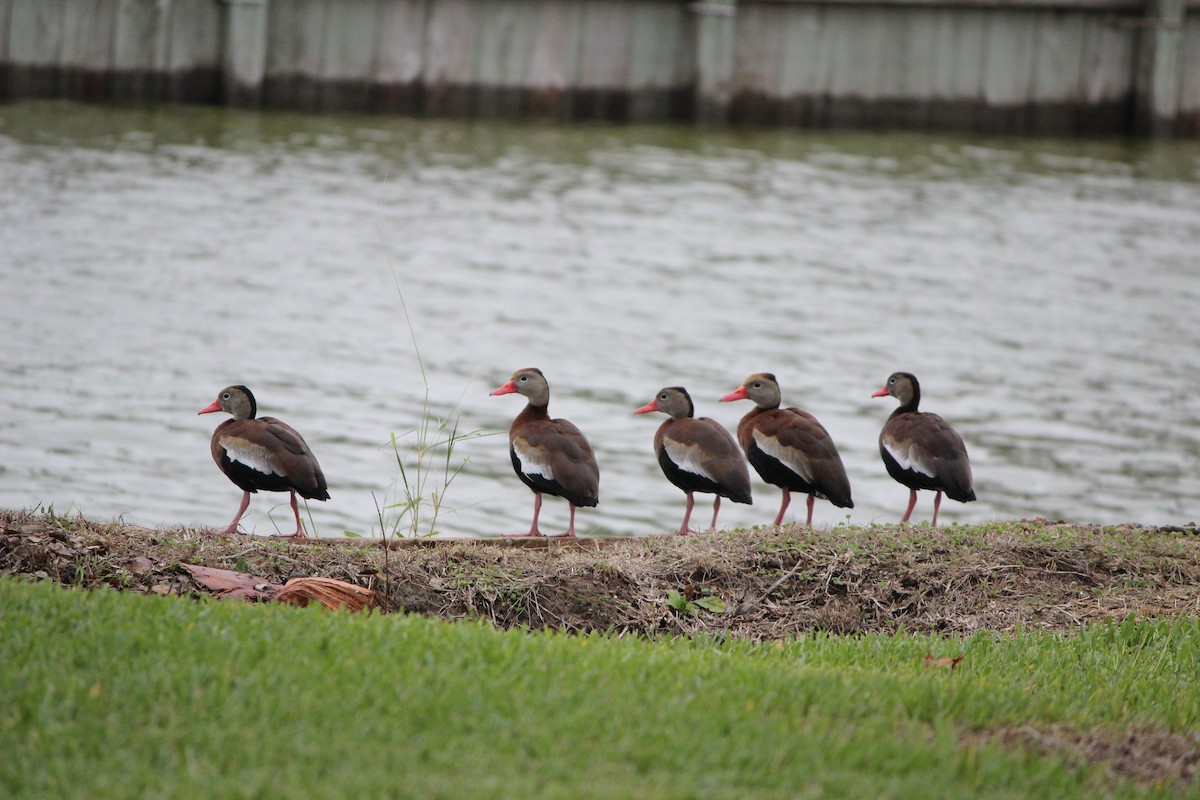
1077, 677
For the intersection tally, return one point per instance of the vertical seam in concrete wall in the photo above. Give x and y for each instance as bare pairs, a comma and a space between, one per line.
5, 34
162, 31
264, 34
61, 55
115, 39
579, 30
423, 72
473, 76
1172, 22
1031, 94
1158, 78
1082, 73
377, 43
1141, 53
985, 42
165, 28
323, 45
243, 73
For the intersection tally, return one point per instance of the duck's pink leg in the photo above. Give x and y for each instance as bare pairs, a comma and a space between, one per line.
537, 509
912, 503
812, 498
787, 499
716, 510
687, 515
569, 533
299, 534
937, 501
241, 510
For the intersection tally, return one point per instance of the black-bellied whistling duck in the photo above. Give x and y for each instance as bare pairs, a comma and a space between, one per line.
696, 453
789, 448
262, 454
550, 456
921, 450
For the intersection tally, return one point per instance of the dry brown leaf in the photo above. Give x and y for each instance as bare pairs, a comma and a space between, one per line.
329, 592
228, 583
930, 661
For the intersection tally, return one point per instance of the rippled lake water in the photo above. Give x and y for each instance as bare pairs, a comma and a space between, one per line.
1046, 293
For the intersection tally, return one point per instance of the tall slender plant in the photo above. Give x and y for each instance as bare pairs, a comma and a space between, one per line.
423, 482
420, 490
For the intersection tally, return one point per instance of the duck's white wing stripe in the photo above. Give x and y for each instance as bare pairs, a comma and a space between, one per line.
784, 455
686, 457
909, 456
254, 456
533, 460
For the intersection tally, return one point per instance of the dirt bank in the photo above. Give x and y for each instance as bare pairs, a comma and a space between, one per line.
758, 584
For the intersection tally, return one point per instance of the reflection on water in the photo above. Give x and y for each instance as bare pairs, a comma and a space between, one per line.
1045, 292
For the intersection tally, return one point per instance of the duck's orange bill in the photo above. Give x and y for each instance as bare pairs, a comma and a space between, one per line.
507, 388
215, 406
646, 409
737, 394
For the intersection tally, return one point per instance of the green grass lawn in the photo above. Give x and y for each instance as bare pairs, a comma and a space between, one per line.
117, 695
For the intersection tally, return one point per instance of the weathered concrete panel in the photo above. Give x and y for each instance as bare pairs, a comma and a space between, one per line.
607, 35
959, 60
193, 53
5, 27
295, 49
1008, 58
86, 69
401, 42
1189, 93
658, 50
802, 65
348, 55
37, 33
506, 32
450, 35
1107, 59
137, 40
554, 62
554, 58
760, 48
450, 43
349, 41
35, 49
296, 37
87, 41
194, 36
400, 56
987, 65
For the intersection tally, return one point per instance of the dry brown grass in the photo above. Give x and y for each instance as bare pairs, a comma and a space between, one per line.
774, 582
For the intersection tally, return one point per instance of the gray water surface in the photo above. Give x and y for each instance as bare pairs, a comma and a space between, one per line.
1044, 291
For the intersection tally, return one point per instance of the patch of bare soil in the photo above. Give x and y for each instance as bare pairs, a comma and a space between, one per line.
772, 582
767, 583
1144, 755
